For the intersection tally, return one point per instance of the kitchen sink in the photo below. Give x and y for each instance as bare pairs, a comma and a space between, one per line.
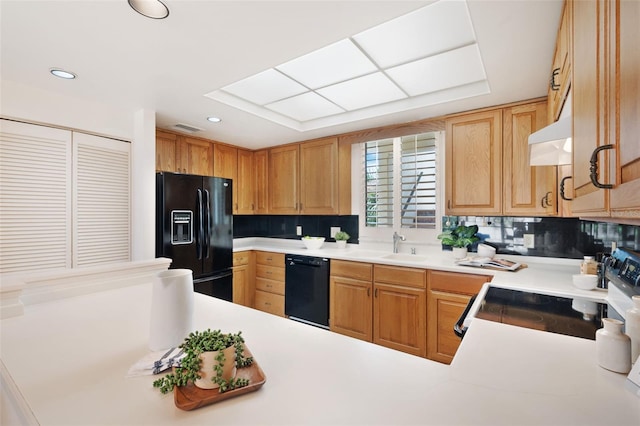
405, 257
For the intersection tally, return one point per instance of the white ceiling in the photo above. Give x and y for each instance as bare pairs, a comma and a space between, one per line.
128, 61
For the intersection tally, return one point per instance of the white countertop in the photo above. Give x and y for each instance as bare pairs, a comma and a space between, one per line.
543, 275
68, 358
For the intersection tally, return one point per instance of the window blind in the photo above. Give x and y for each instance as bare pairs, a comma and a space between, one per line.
379, 183
418, 181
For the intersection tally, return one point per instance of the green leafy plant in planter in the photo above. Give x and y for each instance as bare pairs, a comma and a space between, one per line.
342, 236
462, 236
197, 343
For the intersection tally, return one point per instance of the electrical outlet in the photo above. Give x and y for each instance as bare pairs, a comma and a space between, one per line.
298, 230
334, 231
530, 241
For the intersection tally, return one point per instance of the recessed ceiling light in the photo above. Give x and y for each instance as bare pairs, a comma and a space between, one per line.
62, 73
154, 9
214, 119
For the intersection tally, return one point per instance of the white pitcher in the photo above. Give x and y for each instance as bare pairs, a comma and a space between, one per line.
171, 308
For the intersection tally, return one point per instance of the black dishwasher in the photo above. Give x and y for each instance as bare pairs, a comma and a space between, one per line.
306, 291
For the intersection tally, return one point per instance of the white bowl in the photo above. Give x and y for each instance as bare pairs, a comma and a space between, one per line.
585, 281
485, 250
313, 243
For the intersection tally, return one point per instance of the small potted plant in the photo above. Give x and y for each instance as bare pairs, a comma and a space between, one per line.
210, 360
459, 239
341, 239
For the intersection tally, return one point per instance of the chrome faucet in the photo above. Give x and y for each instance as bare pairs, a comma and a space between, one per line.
396, 240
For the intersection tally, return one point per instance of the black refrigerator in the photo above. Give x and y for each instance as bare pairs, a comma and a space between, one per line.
194, 228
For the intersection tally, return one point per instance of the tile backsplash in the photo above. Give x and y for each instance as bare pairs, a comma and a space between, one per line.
279, 226
548, 236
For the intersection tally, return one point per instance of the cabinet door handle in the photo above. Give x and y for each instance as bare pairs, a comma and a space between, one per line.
554, 86
594, 167
375, 293
368, 292
562, 194
545, 200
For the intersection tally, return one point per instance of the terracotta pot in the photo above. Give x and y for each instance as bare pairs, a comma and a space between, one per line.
207, 372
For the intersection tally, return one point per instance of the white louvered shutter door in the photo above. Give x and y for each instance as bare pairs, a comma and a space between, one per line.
101, 200
35, 197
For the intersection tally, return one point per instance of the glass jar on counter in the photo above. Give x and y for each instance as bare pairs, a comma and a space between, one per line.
589, 266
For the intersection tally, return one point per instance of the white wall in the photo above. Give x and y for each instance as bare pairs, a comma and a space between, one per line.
33, 105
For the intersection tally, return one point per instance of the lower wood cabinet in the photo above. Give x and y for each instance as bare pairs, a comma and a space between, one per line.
269, 294
449, 294
243, 278
350, 301
399, 308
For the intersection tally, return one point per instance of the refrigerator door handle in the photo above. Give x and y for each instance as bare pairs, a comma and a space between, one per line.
207, 223
199, 242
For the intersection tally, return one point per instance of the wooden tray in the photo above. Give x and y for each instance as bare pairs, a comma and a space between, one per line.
191, 397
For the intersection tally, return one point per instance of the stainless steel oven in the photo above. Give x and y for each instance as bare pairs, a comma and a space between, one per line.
622, 275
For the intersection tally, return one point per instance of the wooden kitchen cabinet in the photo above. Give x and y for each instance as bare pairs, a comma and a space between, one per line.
195, 156
244, 186
270, 285
225, 161
528, 190
166, 151
449, 294
625, 119
243, 273
560, 80
261, 181
304, 178
399, 308
473, 155
350, 300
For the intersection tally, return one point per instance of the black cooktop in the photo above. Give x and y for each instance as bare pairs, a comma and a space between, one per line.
561, 315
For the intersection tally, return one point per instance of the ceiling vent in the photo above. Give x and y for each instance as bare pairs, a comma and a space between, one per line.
187, 128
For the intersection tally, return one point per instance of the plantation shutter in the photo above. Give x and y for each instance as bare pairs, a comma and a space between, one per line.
101, 200
378, 158
35, 197
418, 181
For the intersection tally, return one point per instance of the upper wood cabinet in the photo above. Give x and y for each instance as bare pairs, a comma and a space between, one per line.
625, 120
195, 156
560, 80
303, 178
283, 180
588, 110
225, 162
166, 151
487, 164
473, 153
606, 107
527, 190
261, 181
244, 186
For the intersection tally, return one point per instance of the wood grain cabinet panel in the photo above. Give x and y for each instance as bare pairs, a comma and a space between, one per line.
319, 177
473, 155
244, 185
269, 282
448, 295
350, 307
243, 278
261, 181
195, 156
561, 67
166, 151
283, 180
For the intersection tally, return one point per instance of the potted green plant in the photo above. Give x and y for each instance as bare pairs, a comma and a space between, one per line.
459, 239
341, 239
205, 363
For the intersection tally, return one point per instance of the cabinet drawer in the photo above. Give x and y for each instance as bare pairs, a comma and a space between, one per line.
454, 282
409, 277
355, 270
269, 302
270, 272
271, 286
241, 258
269, 258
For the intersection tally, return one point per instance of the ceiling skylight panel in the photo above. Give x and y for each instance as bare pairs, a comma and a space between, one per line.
441, 26
265, 87
332, 64
451, 69
307, 106
372, 89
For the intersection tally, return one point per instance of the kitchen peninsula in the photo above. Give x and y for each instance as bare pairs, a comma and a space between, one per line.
64, 362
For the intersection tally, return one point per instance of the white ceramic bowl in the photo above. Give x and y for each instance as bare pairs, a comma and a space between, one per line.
585, 281
313, 243
485, 250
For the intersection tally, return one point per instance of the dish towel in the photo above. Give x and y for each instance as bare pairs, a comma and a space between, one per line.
156, 362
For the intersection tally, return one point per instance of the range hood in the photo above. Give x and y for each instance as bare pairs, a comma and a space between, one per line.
551, 146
